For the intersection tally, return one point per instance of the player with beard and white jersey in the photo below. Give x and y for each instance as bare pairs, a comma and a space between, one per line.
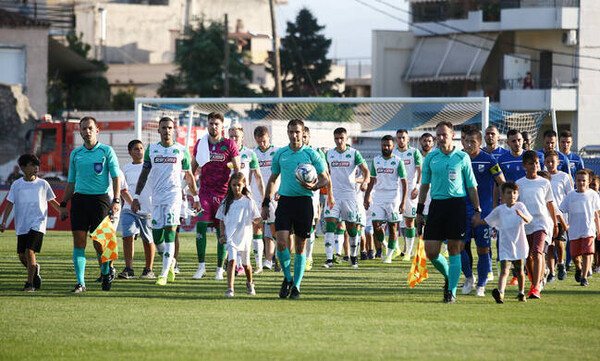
263, 235
342, 162
388, 179
412, 164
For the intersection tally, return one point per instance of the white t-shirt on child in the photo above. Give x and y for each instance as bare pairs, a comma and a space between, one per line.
238, 221
512, 244
132, 174
535, 194
581, 208
30, 201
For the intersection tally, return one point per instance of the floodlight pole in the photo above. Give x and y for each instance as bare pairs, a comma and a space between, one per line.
276, 60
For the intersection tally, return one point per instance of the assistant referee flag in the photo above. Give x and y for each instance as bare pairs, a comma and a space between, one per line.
106, 235
418, 269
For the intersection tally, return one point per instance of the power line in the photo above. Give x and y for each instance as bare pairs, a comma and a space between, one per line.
461, 31
467, 43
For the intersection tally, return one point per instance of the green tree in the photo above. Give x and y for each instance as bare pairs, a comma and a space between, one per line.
86, 91
304, 63
201, 71
123, 99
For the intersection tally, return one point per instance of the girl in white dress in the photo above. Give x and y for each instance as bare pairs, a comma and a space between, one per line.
238, 212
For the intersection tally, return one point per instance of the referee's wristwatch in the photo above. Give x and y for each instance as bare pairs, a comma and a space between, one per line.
478, 210
116, 200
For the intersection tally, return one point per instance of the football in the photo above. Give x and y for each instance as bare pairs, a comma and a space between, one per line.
305, 173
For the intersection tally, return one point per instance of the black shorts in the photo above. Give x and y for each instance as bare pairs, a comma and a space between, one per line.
88, 211
32, 240
294, 214
447, 219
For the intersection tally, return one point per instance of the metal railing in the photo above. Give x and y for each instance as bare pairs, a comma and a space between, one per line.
60, 17
541, 83
512, 4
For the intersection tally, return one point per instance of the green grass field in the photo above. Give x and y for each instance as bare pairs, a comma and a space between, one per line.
343, 314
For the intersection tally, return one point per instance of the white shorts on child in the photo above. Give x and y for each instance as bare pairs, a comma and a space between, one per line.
243, 252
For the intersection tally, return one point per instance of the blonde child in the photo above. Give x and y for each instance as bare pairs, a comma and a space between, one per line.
510, 218
29, 196
238, 213
583, 207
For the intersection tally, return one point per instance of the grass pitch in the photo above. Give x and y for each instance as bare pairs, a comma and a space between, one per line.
343, 314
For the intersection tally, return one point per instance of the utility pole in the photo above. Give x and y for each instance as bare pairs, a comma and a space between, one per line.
277, 64
226, 51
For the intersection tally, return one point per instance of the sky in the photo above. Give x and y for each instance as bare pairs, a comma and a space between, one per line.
347, 22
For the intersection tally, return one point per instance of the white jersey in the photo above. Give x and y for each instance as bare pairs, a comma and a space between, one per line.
166, 165
412, 159
264, 163
512, 244
561, 186
388, 173
342, 170
132, 174
581, 208
238, 221
30, 201
535, 194
248, 162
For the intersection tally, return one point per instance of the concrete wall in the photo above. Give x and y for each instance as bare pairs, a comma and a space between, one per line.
391, 54
587, 127
35, 41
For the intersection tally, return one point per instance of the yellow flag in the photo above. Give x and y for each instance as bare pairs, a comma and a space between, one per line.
418, 269
107, 237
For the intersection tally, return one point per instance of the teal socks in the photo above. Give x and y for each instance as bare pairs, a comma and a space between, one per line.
299, 266
454, 273
79, 264
285, 260
441, 265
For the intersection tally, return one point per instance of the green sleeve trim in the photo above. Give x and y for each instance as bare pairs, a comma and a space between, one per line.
185, 162
373, 172
147, 154
254, 161
358, 158
418, 158
401, 170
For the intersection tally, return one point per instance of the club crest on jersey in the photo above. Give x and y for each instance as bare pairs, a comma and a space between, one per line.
98, 167
338, 163
348, 155
162, 159
481, 167
382, 170
217, 157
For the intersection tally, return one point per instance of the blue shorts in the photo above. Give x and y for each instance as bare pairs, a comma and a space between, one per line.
132, 224
481, 235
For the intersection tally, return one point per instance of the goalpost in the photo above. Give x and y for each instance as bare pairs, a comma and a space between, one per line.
360, 115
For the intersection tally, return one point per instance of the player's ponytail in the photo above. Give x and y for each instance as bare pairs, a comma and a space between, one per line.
229, 195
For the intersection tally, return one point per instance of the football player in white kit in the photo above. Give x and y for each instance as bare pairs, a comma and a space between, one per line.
388, 179
342, 162
412, 164
263, 235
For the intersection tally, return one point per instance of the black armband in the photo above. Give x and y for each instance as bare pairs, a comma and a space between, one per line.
266, 202
420, 208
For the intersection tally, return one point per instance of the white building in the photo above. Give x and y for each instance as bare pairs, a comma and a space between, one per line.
477, 48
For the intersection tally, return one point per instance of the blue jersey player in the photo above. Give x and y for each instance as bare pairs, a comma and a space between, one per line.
550, 140
488, 174
511, 163
492, 137
565, 141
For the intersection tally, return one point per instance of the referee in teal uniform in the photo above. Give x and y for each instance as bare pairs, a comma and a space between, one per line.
93, 171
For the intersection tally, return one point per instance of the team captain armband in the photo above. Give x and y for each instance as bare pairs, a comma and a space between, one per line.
495, 169
147, 165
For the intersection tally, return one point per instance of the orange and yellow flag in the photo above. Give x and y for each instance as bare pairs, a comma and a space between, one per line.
418, 269
106, 235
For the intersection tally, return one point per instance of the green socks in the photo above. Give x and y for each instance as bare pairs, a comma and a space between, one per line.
201, 240
221, 250
299, 266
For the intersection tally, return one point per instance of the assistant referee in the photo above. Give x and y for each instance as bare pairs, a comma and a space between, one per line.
447, 171
92, 169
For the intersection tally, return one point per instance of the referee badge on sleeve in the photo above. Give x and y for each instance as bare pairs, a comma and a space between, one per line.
98, 167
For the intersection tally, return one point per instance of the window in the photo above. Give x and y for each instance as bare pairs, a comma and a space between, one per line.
12, 65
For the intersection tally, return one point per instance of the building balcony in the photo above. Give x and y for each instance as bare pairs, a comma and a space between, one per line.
509, 19
560, 99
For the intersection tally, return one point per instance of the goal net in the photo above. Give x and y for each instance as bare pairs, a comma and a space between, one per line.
366, 119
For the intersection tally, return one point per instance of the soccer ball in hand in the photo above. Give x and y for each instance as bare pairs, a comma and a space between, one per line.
305, 173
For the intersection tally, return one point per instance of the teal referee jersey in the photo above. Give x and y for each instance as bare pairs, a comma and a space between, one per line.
285, 162
92, 170
449, 175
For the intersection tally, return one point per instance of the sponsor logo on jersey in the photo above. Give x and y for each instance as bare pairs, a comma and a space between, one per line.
264, 163
340, 163
385, 170
162, 159
217, 157
407, 161
243, 165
